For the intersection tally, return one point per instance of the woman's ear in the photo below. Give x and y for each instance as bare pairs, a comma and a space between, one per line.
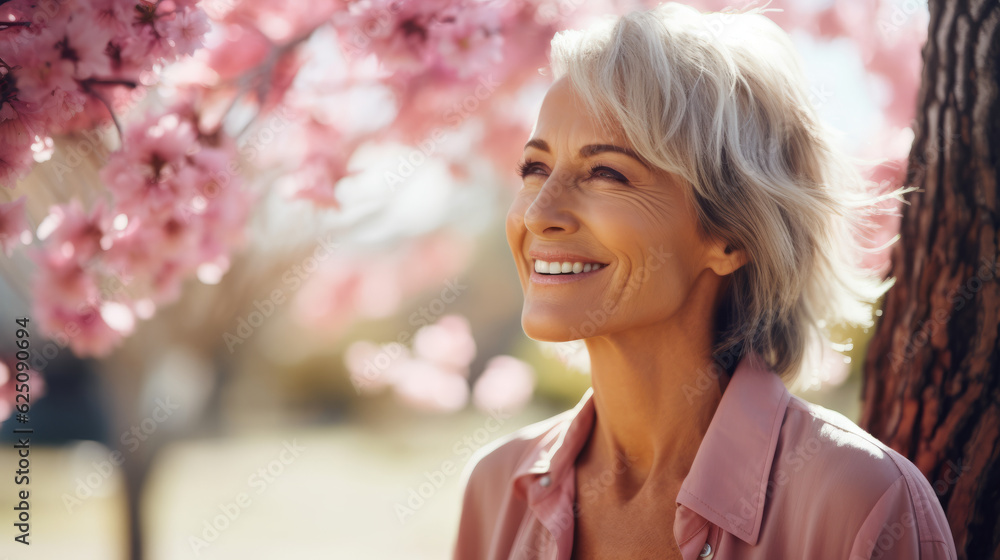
724, 259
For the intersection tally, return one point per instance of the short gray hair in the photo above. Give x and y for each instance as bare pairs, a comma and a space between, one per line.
720, 100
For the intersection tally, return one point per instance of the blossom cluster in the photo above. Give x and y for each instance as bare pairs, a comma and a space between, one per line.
57, 58
433, 375
177, 209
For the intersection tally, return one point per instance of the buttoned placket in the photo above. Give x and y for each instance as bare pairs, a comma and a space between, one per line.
710, 548
542, 489
700, 540
552, 516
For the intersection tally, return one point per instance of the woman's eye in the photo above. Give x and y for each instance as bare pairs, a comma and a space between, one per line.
605, 172
526, 168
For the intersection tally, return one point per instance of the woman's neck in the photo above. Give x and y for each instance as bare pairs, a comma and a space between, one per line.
655, 392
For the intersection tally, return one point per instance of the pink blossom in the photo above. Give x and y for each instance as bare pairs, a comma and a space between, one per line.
317, 155
60, 280
21, 122
471, 42
503, 141
132, 53
114, 15
506, 384
225, 220
136, 259
158, 33
83, 43
344, 288
18, 40
165, 284
154, 258
426, 386
431, 378
178, 239
84, 326
447, 343
92, 115
15, 161
13, 225
240, 49
17, 10
187, 30
279, 20
46, 83
143, 175
327, 298
81, 232
317, 184
433, 259
413, 36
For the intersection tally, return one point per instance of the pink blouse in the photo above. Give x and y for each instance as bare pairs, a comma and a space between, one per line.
775, 477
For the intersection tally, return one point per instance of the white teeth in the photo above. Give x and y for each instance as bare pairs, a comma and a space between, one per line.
543, 267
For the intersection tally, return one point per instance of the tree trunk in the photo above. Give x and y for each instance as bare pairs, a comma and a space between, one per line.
136, 473
931, 383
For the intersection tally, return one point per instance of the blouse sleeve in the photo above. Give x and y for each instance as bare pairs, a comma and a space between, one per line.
907, 522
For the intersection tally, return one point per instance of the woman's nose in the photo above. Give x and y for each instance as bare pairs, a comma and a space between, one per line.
551, 210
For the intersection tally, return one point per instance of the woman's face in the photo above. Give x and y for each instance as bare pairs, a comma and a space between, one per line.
624, 234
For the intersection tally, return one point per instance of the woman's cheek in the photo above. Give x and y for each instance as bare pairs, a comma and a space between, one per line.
515, 214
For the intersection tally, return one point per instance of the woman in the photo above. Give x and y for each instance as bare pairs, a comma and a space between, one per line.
685, 214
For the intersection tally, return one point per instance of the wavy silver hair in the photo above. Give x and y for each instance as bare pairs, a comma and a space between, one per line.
720, 100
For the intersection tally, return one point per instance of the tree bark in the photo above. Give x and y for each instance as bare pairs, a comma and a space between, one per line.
931, 384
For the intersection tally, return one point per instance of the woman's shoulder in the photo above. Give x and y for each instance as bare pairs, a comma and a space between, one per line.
811, 430
498, 460
488, 493
873, 487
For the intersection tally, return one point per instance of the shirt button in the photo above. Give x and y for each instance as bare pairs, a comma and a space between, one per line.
545, 481
706, 551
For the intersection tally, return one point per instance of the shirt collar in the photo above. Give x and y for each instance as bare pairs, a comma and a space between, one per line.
558, 451
728, 479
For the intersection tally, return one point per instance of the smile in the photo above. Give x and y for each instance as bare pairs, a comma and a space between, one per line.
555, 267
554, 272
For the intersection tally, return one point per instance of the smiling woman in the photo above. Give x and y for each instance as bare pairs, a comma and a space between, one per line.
684, 212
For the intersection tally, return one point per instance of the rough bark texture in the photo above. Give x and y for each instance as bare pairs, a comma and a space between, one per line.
931, 383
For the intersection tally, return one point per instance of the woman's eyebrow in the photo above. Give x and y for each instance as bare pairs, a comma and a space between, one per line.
589, 150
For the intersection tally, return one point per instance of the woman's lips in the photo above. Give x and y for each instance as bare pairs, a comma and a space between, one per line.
548, 279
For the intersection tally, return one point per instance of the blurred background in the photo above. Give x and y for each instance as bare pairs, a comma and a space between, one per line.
292, 338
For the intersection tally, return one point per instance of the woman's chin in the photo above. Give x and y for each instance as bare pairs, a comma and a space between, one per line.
549, 328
